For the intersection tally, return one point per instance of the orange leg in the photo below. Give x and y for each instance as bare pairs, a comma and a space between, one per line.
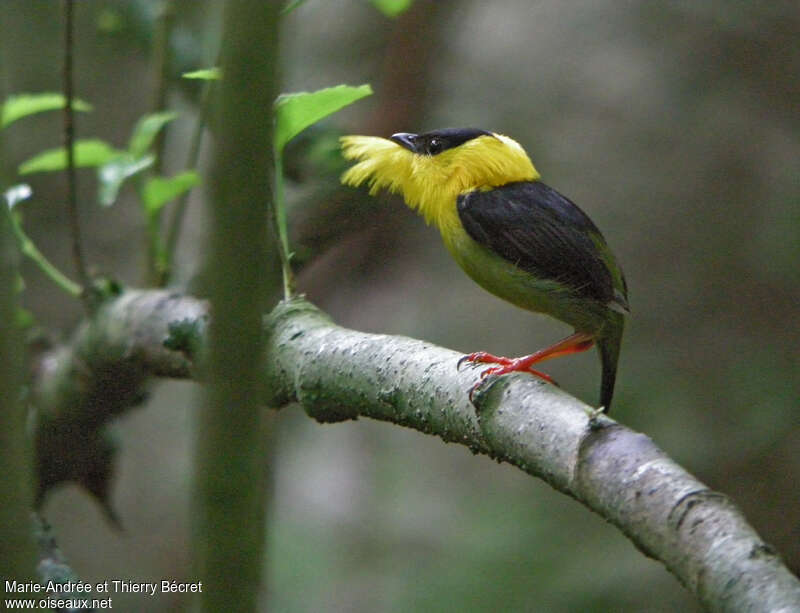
574, 343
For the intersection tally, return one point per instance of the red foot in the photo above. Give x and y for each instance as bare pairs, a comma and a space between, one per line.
505, 366
483, 357
574, 343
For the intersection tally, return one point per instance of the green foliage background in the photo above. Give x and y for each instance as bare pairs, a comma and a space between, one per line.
674, 125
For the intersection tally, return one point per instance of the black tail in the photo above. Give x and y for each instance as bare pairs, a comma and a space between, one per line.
608, 346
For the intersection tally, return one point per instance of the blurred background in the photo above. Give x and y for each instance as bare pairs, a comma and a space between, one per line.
674, 125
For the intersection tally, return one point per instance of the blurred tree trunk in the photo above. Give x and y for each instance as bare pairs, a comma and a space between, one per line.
231, 480
17, 554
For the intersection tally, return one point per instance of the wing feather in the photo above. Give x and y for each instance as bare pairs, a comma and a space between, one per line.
546, 234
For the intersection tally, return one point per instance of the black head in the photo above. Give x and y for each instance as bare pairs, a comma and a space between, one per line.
436, 141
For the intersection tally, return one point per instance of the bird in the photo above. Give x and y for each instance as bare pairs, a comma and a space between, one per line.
515, 236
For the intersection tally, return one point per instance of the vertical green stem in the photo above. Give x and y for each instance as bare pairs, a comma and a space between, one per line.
176, 221
69, 139
17, 554
155, 248
279, 214
231, 478
161, 55
156, 264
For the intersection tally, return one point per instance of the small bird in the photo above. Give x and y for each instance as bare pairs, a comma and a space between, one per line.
516, 237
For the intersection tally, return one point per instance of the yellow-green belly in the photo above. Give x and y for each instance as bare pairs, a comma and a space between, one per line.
517, 286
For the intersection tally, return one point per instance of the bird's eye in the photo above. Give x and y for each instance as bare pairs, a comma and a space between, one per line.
435, 145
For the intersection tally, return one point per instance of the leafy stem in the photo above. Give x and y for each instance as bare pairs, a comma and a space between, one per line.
28, 248
176, 221
279, 215
293, 114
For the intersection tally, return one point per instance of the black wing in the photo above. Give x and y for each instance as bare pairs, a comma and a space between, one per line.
541, 232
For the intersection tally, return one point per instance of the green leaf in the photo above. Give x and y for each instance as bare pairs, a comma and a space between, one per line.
206, 74
295, 112
113, 174
17, 107
146, 130
159, 190
17, 193
87, 153
392, 8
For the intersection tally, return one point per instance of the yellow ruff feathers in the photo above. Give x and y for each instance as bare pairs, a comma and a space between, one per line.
431, 183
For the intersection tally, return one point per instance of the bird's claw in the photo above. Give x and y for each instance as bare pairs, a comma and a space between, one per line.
474, 388
502, 366
482, 357
490, 371
477, 358
482, 377
464, 358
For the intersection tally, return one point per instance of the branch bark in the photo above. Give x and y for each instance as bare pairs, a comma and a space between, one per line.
338, 374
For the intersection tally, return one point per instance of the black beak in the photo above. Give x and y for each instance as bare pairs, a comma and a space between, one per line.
404, 139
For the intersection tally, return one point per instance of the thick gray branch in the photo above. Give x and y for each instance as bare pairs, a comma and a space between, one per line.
338, 374
620, 474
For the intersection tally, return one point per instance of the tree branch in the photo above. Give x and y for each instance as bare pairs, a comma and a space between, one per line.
52, 563
338, 374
